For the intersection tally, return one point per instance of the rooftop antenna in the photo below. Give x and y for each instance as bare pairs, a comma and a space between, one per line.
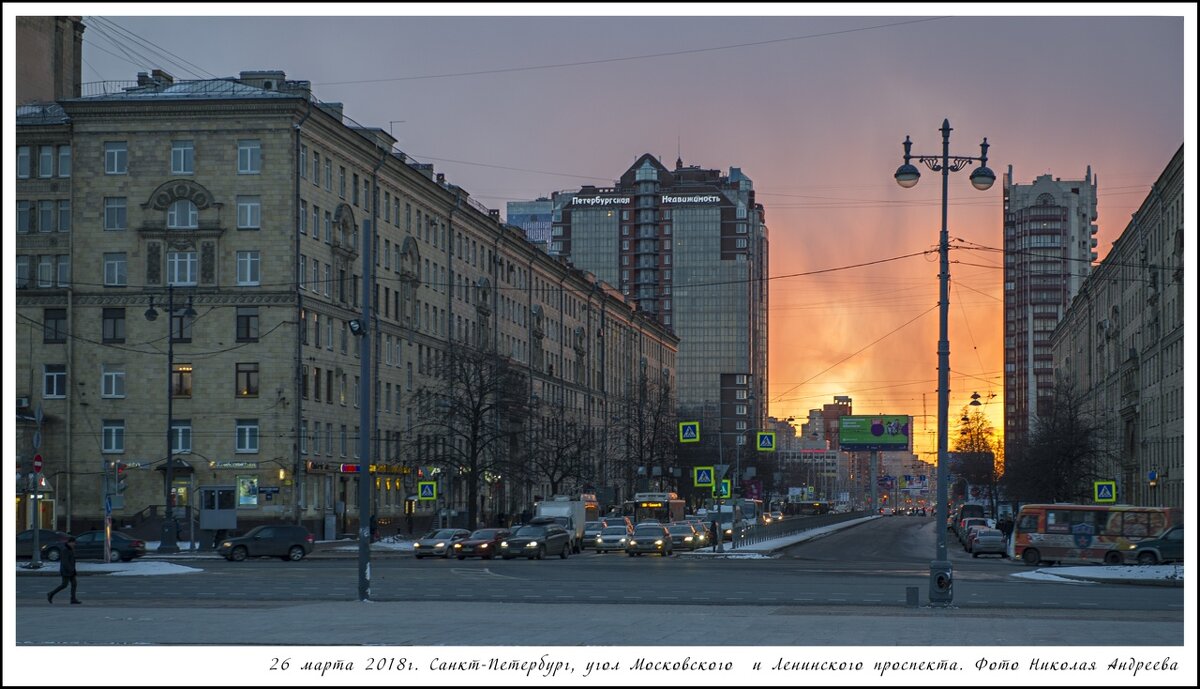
390, 126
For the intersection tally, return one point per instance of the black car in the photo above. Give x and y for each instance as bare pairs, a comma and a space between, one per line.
45, 537
90, 546
536, 541
286, 541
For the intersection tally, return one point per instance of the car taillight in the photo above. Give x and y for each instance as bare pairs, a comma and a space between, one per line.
309, 538
139, 544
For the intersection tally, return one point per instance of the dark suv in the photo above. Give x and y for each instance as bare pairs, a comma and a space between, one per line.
285, 541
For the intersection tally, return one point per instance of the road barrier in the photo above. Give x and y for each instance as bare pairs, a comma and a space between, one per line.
789, 526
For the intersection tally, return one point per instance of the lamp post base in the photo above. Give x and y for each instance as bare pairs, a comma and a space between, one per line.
168, 542
941, 582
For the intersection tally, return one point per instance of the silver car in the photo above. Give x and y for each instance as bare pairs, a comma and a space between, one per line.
988, 541
611, 538
439, 542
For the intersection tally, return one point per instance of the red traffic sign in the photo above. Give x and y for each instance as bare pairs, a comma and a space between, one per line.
37, 464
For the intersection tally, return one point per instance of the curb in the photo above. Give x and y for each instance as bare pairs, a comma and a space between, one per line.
1173, 583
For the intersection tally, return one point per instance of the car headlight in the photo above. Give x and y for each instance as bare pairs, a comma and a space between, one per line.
458, 545
440, 545
503, 544
686, 539
632, 542
531, 544
623, 540
484, 545
598, 538
416, 545
658, 542
225, 544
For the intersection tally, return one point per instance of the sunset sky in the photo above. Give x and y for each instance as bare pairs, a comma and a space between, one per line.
812, 108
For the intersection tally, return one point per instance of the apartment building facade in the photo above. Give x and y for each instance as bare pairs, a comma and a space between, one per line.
1120, 344
240, 212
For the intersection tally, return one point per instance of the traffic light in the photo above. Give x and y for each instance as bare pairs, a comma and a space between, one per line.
941, 583
122, 479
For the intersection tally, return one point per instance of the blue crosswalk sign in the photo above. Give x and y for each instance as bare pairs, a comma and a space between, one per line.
427, 490
1105, 491
689, 431
703, 476
766, 441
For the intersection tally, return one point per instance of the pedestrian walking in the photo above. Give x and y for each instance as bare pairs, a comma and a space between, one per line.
66, 569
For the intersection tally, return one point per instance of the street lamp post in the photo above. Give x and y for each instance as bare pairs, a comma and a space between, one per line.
941, 574
168, 542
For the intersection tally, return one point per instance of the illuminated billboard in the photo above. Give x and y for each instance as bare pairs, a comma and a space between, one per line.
877, 432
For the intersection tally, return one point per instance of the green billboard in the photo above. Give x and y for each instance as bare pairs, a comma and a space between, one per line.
875, 432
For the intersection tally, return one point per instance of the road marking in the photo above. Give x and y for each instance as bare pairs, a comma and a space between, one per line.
837, 600
1090, 604
865, 600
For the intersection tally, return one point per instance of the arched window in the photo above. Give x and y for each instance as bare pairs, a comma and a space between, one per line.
182, 215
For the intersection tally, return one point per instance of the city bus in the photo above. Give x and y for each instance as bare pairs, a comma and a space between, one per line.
1086, 533
811, 507
663, 508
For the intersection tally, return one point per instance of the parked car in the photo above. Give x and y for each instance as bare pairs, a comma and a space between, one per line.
45, 537
439, 542
590, 531
683, 536
90, 546
536, 541
966, 524
1166, 548
985, 540
483, 543
649, 538
286, 541
611, 538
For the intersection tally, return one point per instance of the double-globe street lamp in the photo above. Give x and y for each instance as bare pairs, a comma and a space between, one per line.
168, 541
941, 573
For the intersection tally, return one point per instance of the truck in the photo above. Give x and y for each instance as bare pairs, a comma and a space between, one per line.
572, 513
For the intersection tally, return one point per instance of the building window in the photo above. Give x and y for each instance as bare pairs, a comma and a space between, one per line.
24, 162
249, 157
303, 224
247, 324
247, 380
181, 327
329, 439
355, 190
114, 325
22, 272
328, 174
181, 437
64, 270
116, 158
181, 380
739, 409
114, 213
182, 215
64, 215
64, 161
112, 381
248, 268
45, 275
45, 216
183, 157
341, 182
249, 212
343, 437
302, 278
115, 274
54, 381
303, 161
54, 326
328, 227
112, 436
247, 435
24, 216
328, 279
181, 267
46, 161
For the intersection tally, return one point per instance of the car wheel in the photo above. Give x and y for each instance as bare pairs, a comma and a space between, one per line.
52, 554
507, 557
974, 554
1113, 557
295, 553
462, 557
419, 556
1031, 556
629, 554
114, 556
1147, 558
565, 552
541, 553
238, 554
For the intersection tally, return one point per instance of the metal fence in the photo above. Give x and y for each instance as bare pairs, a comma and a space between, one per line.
789, 526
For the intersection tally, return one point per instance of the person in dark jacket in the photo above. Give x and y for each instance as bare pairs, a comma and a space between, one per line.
66, 569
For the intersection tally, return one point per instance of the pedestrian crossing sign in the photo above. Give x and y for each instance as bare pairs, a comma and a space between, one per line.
427, 490
689, 431
766, 441
724, 490
1104, 491
702, 476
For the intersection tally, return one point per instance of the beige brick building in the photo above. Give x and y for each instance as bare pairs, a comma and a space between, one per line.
249, 203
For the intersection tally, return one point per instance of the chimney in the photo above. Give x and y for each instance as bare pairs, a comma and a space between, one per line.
441, 178
143, 78
162, 78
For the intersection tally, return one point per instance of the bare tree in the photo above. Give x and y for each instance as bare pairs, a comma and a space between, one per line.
648, 424
472, 416
1063, 455
560, 445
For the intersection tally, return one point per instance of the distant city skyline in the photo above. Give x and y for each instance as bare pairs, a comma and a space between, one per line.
812, 108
